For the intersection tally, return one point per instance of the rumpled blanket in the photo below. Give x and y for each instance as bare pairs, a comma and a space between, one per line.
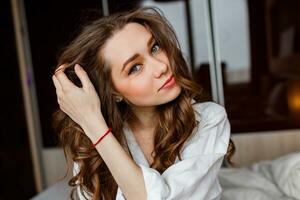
277, 179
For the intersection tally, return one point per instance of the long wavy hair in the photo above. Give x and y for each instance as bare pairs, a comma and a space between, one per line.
171, 133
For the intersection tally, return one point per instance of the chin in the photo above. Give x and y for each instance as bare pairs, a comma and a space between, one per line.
160, 100
172, 95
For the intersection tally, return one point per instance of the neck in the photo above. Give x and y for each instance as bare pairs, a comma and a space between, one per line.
146, 118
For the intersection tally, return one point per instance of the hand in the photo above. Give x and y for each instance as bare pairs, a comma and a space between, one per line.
82, 105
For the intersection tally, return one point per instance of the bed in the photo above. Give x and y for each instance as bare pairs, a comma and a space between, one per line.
277, 179
267, 167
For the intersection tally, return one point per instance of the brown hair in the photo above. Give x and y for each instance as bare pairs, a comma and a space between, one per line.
170, 132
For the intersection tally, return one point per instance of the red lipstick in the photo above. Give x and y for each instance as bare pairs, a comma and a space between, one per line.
169, 83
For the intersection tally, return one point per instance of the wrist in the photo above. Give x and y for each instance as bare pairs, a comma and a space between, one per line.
102, 137
95, 128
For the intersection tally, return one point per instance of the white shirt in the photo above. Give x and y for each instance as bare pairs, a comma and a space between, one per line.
195, 177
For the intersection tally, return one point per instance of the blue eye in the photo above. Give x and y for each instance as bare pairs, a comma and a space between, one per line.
133, 67
155, 48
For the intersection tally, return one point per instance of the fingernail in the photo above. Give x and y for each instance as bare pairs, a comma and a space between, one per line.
57, 70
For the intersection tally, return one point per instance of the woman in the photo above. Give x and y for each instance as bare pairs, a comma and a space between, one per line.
130, 116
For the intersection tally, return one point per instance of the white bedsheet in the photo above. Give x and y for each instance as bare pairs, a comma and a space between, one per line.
278, 179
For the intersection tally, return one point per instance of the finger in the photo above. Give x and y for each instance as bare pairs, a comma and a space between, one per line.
61, 67
64, 80
56, 83
83, 76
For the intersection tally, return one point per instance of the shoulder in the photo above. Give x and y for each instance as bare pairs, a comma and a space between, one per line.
209, 111
213, 131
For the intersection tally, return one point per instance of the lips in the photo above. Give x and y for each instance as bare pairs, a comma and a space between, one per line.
167, 81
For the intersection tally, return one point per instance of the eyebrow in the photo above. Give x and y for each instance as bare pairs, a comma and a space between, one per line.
136, 55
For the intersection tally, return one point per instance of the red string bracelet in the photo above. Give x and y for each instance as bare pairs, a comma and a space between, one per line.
105, 134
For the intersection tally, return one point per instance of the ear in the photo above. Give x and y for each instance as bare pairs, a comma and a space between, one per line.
115, 93
117, 96
119, 99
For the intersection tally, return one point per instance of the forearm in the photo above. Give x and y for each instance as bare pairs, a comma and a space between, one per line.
125, 171
82, 105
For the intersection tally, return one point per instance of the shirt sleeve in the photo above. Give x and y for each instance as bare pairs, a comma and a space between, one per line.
196, 175
76, 169
119, 196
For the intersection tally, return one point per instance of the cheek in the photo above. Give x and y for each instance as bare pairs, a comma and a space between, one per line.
139, 89
136, 91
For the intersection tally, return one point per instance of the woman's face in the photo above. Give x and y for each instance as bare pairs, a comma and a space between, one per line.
139, 67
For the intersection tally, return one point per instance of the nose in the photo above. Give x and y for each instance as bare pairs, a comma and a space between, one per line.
159, 67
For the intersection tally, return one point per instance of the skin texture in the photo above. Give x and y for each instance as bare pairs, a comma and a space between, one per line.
148, 71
